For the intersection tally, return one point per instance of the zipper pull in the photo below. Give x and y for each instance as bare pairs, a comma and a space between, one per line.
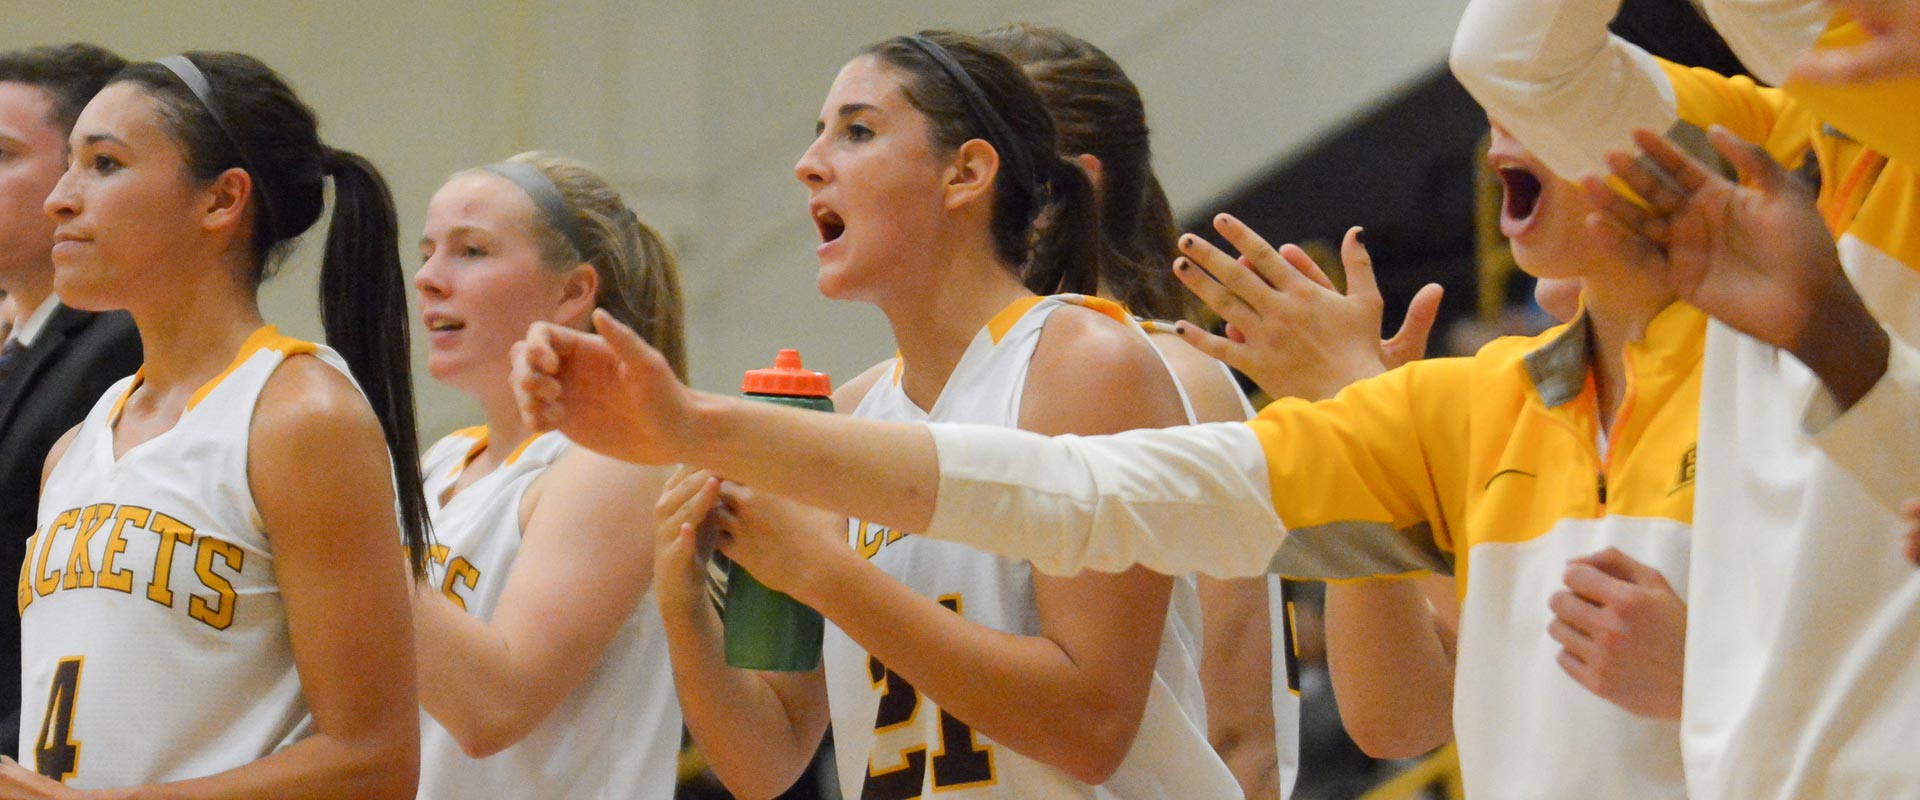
1603, 488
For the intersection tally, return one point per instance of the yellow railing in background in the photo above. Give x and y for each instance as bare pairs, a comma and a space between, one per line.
1436, 777
1493, 257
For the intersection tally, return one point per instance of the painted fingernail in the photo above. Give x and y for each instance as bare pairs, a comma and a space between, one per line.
1181, 264
1187, 240
1180, 328
1360, 235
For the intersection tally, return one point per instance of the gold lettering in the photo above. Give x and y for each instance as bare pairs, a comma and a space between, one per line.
198, 607
80, 556
171, 532
44, 583
26, 570
122, 579
460, 571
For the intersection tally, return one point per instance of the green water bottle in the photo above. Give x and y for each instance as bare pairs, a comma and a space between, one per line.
765, 629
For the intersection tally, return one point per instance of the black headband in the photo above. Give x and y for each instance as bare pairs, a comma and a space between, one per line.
196, 82
1019, 163
547, 197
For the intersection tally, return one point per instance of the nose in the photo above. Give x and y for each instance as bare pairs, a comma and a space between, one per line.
430, 280
812, 168
63, 203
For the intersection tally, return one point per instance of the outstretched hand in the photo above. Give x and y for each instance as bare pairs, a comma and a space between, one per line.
1892, 51
1288, 329
1755, 254
610, 392
1623, 632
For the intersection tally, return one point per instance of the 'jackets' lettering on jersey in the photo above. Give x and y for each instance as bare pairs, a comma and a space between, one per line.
867, 538
115, 526
460, 572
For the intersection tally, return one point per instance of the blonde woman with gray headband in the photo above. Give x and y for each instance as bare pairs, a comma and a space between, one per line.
543, 667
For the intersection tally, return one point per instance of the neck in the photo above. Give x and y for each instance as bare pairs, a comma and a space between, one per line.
190, 335
29, 291
934, 322
1619, 307
505, 432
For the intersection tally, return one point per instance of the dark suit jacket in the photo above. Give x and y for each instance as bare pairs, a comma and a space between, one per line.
57, 380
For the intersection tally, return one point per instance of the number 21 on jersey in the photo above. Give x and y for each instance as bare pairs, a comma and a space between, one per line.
957, 763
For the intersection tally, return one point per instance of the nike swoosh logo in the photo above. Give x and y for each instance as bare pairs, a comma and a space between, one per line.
1496, 476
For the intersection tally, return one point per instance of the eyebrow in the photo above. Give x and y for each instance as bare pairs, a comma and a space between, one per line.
452, 232
848, 110
96, 138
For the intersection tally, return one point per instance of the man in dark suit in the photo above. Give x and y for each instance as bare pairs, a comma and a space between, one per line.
56, 361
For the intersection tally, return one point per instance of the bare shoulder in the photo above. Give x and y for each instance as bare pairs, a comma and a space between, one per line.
585, 480
850, 393
1215, 395
584, 475
1083, 363
306, 399
310, 420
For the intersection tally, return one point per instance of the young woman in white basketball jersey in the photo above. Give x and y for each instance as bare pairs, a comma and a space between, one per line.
216, 598
949, 670
542, 663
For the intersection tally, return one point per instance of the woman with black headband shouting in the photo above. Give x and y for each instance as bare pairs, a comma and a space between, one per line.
215, 598
542, 662
946, 669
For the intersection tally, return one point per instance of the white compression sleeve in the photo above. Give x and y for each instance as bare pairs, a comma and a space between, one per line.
1769, 35
1177, 500
1551, 74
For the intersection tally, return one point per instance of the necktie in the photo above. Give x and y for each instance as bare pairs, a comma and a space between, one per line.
9, 356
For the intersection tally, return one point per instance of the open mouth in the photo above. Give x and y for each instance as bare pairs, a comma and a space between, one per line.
1522, 194
444, 325
829, 224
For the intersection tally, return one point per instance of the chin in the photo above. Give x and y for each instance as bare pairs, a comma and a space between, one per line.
83, 292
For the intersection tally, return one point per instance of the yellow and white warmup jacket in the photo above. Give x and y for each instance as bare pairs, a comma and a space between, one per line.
153, 640
894, 742
1803, 667
1487, 467
617, 735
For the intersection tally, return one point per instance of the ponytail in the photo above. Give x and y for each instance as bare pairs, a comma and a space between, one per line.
1068, 249
230, 110
363, 306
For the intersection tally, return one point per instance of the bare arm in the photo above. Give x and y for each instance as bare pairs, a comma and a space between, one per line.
582, 568
1392, 671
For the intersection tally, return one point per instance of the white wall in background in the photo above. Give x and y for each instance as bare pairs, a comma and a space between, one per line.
698, 110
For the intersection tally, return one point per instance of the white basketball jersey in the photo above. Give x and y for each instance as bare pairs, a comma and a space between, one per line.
893, 742
1285, 675
153, 641
618, 734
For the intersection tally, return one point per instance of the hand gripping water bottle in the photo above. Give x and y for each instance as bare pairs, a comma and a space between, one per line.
765, 629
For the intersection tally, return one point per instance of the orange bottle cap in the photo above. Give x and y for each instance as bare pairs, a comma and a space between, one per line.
787, 377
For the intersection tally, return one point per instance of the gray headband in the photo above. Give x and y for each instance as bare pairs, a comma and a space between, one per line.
196, 82
546, 196
997, 132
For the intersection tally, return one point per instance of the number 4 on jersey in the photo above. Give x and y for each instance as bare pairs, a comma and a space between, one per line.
959, 761
57, 755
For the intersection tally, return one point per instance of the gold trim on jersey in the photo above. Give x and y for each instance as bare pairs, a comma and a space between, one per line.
267, 337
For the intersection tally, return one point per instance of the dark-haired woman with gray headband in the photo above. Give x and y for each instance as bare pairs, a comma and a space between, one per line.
948, 670
543, 669
214, 605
